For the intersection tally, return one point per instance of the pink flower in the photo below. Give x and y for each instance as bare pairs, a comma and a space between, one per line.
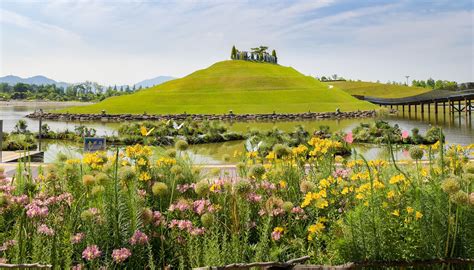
343, 173
158, 218
138, 238
77, 238
197, 231
77, 267
349, 138
181, 205
34, 210
297, 210
267, 185
181, 224
22, 199
91, 253
253, 197
185, 187
201, 206
45, 230
405, 134
276, 235
120, 255
7, 244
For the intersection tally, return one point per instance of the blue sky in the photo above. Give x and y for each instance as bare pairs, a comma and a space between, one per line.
122, 42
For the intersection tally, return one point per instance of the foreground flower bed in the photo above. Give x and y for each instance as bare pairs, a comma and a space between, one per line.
131, 210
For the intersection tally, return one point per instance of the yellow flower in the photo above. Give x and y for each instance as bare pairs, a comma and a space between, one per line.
390, 194
73, 161
396, 213
271, 155
322, 203
324, 183
145, 132
396, 179
283, 184
410, 210
316, 228
215, 187
360, 196
278, 229
307, 199
344, 191
418, 215
144, 176
252, 154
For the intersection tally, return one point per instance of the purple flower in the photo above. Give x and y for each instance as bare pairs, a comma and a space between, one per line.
91, 253
120, 255
138, 238
45, 230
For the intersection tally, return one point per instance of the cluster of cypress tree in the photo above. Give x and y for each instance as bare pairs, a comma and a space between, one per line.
257, 54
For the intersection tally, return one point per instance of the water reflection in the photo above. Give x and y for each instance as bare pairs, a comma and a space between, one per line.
458, 130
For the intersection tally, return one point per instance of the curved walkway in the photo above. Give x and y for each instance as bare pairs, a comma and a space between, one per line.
435, 96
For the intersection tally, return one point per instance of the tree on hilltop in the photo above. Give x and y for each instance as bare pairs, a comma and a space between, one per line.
274, 54
260, 50
233, 54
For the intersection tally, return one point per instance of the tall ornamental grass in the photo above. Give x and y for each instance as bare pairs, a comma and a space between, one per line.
129, 210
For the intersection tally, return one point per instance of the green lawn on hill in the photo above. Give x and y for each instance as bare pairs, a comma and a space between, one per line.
240, 86
378, 89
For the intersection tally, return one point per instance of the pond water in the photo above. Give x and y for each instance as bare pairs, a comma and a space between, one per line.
458, 130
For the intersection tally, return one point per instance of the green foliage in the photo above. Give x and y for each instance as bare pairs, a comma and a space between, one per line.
378, 89
240, 86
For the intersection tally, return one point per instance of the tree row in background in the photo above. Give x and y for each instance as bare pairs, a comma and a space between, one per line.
88, 91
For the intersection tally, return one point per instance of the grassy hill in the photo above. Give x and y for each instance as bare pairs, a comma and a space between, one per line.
240, 86
378, 89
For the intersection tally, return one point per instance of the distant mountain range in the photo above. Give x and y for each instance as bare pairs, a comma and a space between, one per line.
154, 81
42, 80
38, 80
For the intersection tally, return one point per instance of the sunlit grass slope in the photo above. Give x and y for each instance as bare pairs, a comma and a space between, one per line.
240, 86
378, 89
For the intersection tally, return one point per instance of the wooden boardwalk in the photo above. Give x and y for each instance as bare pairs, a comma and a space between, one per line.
454, 101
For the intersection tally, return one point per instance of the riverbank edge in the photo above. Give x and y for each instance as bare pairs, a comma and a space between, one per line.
104, 117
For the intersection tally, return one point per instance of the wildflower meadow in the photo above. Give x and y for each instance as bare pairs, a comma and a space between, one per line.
135, 209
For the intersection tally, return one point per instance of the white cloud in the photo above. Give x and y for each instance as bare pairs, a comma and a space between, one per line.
124, 42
